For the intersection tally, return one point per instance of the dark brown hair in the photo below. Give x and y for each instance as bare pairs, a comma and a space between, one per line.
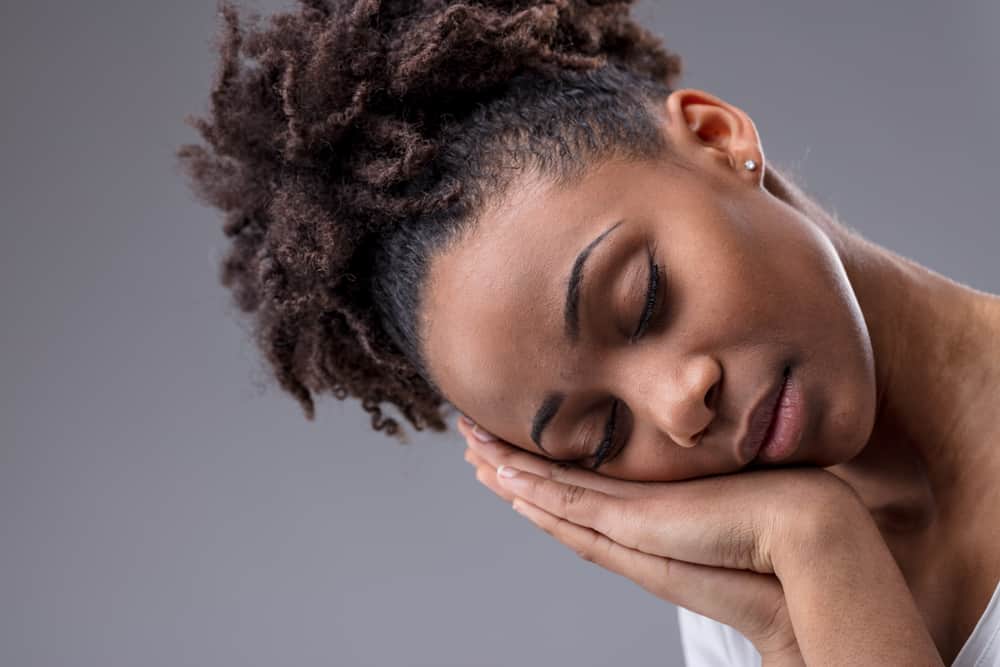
350, 141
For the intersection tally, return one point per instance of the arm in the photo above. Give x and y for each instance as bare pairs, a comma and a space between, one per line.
707, 642
848, 601
834, 594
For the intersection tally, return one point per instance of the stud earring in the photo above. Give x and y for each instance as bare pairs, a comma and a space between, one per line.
750, 165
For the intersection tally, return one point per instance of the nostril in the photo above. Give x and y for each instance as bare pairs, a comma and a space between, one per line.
710, 396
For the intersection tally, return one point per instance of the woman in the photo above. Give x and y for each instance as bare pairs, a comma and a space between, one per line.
699, 378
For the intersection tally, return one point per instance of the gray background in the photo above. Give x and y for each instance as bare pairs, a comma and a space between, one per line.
162, 504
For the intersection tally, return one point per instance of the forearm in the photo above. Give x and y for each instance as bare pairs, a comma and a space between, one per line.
848, 601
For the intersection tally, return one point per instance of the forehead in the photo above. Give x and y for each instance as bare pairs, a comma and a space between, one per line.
493, 305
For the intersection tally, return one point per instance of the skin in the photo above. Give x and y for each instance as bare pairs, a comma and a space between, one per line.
897, 364
714, 557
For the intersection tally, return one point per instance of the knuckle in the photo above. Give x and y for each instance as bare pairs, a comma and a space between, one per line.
572, 494
628, 513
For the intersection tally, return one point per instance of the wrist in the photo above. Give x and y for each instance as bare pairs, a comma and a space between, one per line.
832, 516
847, 598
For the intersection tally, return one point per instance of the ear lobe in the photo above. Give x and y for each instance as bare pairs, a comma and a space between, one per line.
706, 127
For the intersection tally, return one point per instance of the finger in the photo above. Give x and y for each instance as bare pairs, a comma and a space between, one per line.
476, 460
693, 529
468, 429
501, 453
585, 507
596, 547
743, 600
469, 432
653, 525
732, 521
487, 476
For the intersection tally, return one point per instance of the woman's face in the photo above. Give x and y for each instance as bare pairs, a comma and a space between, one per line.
747, 288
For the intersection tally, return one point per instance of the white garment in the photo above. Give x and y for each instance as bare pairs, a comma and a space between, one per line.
708, 643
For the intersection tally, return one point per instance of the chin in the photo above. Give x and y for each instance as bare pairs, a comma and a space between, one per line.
842, 425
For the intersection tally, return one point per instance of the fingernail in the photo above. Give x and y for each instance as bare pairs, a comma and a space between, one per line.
468, 422
508, 477
482, 435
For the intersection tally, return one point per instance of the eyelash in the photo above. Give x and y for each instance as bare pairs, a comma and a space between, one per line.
647, 314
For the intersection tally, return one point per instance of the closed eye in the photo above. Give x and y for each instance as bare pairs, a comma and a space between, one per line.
652, 291
649, 309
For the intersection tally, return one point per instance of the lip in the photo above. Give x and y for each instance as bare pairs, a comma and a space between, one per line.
758, 421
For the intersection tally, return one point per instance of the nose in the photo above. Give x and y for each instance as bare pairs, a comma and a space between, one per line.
682, 403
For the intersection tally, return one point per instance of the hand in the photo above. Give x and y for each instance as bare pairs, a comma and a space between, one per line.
667, 538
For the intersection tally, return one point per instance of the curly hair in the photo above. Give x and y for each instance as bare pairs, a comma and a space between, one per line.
349, 141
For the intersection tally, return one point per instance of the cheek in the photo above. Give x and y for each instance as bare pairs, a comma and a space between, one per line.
831, 342
786, 291
739, 277
786, 282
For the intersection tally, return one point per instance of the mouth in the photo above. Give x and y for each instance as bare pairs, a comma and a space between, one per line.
760, 420
787, 425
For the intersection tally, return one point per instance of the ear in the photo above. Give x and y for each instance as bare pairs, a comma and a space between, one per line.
704, 128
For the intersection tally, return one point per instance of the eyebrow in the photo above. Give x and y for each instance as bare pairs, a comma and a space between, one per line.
571, 321
571, 311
